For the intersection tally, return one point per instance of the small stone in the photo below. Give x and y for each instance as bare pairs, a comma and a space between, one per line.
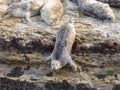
101, 75
116, 87
50, 74
27, 68
16, 72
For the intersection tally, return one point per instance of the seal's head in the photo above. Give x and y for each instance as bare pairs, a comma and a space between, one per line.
55, 65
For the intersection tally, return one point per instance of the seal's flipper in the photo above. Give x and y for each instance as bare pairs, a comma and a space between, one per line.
27, 18
7, 16
73, 65
47, 58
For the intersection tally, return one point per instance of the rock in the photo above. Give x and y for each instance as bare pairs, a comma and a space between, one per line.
49, 74
112, 3
11, 84
3, 10
101, 75
96, 9
116, 87
112, 43
52, 12
16, 72
8, 84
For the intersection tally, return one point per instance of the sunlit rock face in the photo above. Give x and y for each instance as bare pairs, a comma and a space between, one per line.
96, 9
52, 12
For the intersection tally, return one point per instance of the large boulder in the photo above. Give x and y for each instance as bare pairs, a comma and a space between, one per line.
52, 11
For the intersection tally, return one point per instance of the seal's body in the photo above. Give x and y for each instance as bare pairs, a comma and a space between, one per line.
3, 9
61, 53
52, 11
96, 9
112, 3
22, 9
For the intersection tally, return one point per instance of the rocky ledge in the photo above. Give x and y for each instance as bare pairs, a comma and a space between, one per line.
96, 49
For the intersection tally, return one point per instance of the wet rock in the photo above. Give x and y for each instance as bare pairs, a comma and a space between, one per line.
8, 84
49, 74
52, 12
112, 3
27, 68
32, 45
84, 87
116, 87
96, 9
16, 72
112, 43
51, 85
101, 75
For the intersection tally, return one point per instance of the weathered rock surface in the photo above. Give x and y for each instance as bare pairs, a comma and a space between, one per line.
52, 12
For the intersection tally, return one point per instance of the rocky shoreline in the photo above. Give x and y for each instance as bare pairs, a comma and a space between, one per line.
96, 49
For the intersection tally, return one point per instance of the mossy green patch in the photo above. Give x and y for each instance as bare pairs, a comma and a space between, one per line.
80, 37
116, 63
110, 72
81, 14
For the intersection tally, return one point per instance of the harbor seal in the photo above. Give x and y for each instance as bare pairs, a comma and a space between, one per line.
96, 9
23, 9
52, 12
3, 9
61, 53
8, 2
112, 3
